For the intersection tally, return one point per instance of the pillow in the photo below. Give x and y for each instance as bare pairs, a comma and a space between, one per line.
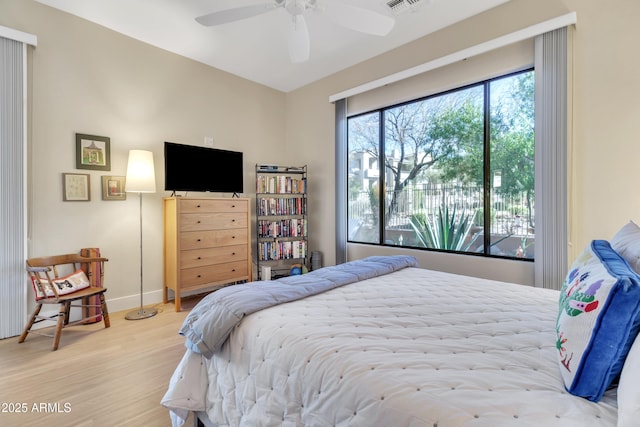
598, 319
627, 243
64, 285
629, 389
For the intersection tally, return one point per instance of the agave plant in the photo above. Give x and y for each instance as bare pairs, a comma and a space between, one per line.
444, 230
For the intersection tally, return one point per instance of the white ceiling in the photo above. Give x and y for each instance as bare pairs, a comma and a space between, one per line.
256, 48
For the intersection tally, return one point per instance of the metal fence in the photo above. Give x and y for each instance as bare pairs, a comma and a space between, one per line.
510, 213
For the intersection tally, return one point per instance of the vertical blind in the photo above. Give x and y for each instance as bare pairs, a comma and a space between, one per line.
12, 187
551, 64
341, 180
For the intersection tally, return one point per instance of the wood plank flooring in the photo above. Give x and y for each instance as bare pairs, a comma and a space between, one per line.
97, 377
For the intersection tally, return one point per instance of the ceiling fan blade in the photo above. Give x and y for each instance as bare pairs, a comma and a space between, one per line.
298, 40
235, 14
359, 19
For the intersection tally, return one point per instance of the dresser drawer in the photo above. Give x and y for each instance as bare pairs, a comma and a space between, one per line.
206, 244
213, 221
219, 273
213, 205
212, 238
210, 256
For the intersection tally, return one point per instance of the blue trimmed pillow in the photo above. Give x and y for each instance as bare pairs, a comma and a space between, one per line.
598, 320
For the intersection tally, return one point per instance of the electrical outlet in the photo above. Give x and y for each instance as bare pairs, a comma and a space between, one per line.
208, 141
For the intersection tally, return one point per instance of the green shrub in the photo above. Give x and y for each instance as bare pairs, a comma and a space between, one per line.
445, 230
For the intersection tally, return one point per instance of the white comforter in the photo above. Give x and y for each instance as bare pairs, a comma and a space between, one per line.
410, 348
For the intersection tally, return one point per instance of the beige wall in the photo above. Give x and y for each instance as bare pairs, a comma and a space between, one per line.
605, 123
87, 79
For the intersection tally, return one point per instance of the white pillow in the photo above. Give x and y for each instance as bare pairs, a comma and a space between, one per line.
629, 388
627, 243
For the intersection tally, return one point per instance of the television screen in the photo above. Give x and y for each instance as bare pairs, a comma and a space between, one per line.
193, 168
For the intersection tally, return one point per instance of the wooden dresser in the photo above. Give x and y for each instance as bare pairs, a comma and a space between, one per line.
206, 244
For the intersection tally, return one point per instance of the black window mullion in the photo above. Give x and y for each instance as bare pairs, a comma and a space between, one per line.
486, 179
382, 186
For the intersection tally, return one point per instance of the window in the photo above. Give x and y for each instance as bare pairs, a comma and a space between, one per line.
452, 172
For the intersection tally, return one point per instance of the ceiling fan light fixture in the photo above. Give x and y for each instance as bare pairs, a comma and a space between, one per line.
352, 17
295, 7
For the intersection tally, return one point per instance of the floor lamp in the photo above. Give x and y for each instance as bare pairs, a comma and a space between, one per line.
140, 179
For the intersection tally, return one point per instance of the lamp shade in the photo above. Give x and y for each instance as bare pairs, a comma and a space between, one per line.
141, 177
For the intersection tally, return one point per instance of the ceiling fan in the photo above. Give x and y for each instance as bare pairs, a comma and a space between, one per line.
349, 16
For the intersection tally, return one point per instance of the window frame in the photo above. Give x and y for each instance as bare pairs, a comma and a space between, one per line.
486, 185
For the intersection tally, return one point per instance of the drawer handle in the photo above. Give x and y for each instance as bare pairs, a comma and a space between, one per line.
233, 220
199, 276
197, 206
199, 257
233, 253
233, 206
199, 240
198, 222
233, 269
233, 237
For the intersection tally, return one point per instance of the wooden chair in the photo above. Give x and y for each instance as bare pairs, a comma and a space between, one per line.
50, 287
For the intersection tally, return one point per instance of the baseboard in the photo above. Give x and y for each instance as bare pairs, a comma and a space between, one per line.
132, 302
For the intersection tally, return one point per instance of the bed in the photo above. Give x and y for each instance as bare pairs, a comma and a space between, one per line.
381, 342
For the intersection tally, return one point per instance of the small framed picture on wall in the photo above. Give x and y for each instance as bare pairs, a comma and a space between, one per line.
75, 187
93, 152
113, 188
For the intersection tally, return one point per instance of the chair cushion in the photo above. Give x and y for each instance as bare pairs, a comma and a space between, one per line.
64, 285
598, 320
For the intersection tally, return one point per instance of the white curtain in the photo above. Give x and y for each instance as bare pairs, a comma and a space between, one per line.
551, 135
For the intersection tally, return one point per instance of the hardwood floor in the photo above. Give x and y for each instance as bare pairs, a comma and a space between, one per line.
97, 377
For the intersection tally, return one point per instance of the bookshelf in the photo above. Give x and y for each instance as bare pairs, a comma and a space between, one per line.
281, 219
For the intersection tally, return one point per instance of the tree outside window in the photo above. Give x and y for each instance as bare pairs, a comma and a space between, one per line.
437, 172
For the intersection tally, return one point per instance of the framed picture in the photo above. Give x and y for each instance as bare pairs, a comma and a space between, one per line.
93, 152
75, 187
113, 188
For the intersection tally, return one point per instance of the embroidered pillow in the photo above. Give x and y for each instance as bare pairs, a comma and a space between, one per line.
64, 285
598, 319
629, 389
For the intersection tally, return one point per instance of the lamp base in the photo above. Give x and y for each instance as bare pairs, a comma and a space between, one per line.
141, 314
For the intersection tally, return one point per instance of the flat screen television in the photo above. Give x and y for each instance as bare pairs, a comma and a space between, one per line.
193, 168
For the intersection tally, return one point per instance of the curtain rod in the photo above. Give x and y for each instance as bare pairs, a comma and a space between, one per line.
499, 42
